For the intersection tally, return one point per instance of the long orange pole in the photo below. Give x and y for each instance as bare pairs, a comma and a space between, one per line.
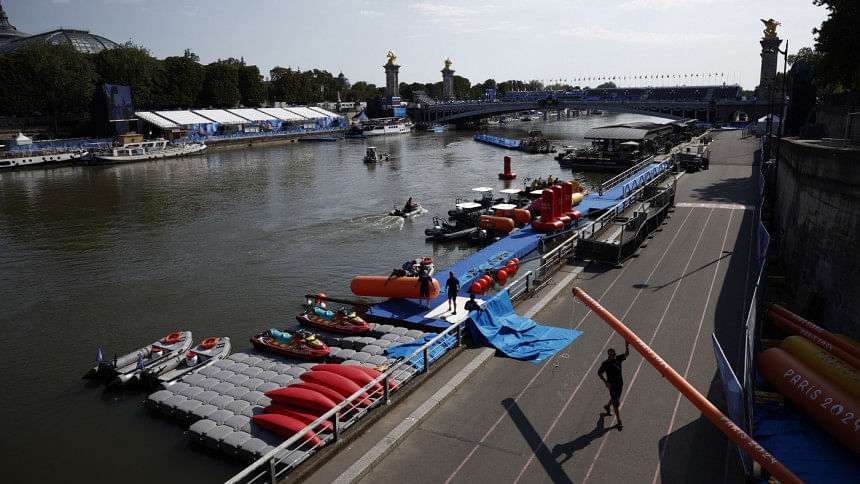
816, 330
817, 338
725, 424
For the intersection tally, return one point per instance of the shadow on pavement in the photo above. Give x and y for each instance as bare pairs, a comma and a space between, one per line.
582, 441
553, 469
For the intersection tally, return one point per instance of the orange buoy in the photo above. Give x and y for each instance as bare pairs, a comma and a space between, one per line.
501, 224
520, 215
507, 175
829, 366
402, 287
832, 408
476, 286
502, 275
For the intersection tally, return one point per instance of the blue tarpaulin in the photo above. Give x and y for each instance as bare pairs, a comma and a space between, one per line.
434, 352
517, 336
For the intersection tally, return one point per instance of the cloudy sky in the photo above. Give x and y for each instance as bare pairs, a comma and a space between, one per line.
499, 39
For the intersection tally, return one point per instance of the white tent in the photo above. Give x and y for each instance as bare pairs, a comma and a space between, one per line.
761, 125
21, 140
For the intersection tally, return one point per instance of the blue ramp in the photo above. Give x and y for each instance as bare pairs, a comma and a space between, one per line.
517, 336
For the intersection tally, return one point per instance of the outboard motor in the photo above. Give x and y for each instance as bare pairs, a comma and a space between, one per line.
191, 359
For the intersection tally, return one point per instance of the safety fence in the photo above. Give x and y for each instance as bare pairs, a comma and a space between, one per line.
282, 459
617, 179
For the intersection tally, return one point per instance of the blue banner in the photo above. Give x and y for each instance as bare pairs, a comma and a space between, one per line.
734, 398
763, 241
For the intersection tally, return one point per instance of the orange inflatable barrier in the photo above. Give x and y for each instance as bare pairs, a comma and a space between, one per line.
725, 424
796, 328
501, 224
822, 361
378, 286
520, 215
831, 407
816, 330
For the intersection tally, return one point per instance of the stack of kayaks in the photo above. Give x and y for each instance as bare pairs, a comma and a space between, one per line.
323, 388
207, 352
159, 357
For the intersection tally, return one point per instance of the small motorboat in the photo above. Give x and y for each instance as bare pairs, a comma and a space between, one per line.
408, 210
207, 352
442, 230
302, 344
340, 321
161, 356
373, 156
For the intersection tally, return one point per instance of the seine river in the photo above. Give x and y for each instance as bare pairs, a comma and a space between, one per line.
222, 244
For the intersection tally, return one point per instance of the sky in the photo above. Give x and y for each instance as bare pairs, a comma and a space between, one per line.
498, 39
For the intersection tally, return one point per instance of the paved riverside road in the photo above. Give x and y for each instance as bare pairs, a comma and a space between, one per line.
514, 421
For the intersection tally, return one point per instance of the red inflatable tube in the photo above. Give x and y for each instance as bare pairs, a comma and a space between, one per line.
501, 224
546, 222
507, 175
403, 287
816, 330
831, 407
796, 328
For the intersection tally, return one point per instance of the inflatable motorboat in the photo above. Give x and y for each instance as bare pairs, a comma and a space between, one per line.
302, 344
207, 352
414, 209
442, 230
340, 321
156, 358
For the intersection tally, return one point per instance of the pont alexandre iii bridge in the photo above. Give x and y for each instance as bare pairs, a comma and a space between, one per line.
711, 104
717, 104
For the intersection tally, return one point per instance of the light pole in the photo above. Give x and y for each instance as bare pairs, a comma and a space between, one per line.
782, 100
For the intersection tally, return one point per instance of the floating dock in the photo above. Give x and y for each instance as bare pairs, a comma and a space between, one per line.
510, 144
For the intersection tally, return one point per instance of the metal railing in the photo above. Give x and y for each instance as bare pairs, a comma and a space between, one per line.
608, 184
283, 458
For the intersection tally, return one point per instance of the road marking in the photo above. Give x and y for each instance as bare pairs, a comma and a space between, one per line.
726, 206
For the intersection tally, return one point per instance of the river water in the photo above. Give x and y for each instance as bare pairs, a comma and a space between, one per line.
222, 244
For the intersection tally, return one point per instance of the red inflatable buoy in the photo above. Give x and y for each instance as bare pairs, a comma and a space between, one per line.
476, 286
502, 275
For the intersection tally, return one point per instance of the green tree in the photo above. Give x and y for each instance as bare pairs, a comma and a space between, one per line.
131, 65
191, 55
180, 83
461, 87
220, 85
838, 66
252, 91
606, 85
55, 79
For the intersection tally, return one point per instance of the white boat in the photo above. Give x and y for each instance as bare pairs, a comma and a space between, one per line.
383, 127
148, 150
10, 160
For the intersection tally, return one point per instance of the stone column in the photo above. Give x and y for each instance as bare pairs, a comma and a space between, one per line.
769, 60
447, 81
392, 85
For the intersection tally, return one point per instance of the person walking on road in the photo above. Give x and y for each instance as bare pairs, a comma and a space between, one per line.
613, 381
452, 286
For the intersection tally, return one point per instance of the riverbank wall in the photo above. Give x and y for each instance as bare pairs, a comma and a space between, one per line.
817, 217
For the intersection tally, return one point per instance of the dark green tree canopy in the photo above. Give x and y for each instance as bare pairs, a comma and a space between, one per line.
837, 41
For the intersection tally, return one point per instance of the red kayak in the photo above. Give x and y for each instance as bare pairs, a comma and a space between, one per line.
301, 344
337, 321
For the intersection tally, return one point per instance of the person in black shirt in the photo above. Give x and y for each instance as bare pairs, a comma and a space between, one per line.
452, 285
472, 305
424, 280
613, 381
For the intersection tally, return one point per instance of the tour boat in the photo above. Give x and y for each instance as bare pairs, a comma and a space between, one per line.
379, 128
11, 160
148, 150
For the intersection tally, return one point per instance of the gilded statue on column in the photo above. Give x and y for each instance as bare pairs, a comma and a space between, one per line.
391, 57
448, 63
770, 27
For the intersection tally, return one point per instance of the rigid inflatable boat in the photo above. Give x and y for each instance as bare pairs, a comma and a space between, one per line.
207, 352
302, 344
156, 358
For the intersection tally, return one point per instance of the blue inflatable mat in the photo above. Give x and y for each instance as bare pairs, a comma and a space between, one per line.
802, 446
517, 336
434, 352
